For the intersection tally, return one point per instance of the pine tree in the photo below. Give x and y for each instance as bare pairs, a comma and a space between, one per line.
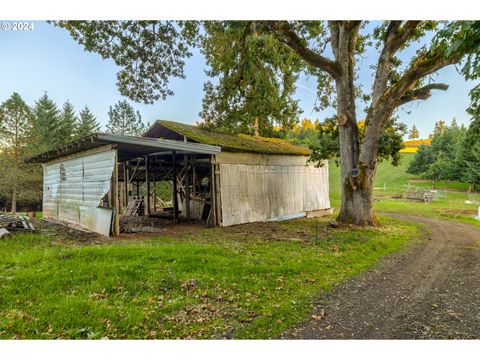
46, 124
414, 134
68, 123
87, 123
17, 177
422, 160
467, 154
439, 127
123, 120
454, 123
472, 171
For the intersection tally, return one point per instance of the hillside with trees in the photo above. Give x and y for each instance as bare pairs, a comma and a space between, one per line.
452, 155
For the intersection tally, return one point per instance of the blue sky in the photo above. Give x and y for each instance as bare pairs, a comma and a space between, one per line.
47, 59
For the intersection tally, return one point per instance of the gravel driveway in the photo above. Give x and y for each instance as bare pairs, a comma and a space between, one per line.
431, 291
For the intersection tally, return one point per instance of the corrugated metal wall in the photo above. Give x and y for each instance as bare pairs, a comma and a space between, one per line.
257, 192
73, 189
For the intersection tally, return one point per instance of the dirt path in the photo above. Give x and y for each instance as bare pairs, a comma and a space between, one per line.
431, 291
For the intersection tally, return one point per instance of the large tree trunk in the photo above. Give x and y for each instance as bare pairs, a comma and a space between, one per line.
357, 199
357, 179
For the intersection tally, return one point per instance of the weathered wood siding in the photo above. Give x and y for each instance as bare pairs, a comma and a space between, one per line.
261, 187
73, 188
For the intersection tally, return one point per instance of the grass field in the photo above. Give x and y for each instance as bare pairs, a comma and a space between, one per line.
249, 281
388, 176
454, 204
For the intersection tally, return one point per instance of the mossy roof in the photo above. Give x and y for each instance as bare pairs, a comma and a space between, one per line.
236, 143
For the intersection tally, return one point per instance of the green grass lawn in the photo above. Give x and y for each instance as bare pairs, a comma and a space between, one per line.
391, 181
248, 281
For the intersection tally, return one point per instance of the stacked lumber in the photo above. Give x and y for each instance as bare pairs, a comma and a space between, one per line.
10, 222
134, 207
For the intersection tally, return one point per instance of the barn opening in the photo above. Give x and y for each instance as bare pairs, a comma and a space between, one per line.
177, 172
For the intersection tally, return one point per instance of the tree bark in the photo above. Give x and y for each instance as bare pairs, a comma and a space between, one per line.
357, 181
357, 199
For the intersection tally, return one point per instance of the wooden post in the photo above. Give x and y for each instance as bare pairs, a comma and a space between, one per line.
187, 187
187, 183
125, 181
138, 188
115, 198
213, 192
154, 192
174, 183
147, 178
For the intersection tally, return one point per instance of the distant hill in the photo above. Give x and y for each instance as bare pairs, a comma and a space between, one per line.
411, 146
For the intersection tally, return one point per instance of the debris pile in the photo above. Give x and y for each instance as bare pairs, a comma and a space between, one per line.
10, 223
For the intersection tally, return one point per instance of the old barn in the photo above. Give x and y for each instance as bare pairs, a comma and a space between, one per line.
219, 179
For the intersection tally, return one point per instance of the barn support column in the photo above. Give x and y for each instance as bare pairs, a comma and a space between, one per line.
125, 182
174, 185
147, 178
213, 202
115, 198
154, 192
186, 178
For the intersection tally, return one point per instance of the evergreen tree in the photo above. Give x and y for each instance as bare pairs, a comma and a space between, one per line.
46, 124
422, 160
472, 171
123, 120
442, 160
439, 127
414, 134
18, 179
87, 123
467, 154
68, 123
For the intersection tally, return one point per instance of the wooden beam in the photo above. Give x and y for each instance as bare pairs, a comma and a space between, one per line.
174, 183
116, 202
154, 193
125, 182
186, 178
187, 183
147, 178
213, 192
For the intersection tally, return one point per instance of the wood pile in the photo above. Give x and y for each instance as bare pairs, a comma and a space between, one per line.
10, 223
135, 207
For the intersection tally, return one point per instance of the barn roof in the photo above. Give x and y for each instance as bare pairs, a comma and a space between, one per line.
236, 143
128, 147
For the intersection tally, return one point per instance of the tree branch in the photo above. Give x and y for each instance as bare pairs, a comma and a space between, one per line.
396, 36
425, 64
422, 93
289, 37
